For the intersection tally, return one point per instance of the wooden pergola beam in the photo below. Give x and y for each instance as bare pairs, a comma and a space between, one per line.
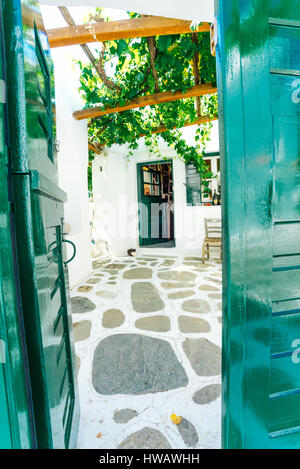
163, 128
122, 29
199, 121
148, 100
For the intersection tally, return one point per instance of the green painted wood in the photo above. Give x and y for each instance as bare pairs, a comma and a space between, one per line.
39, 220
16, 430
259, 95
150, 211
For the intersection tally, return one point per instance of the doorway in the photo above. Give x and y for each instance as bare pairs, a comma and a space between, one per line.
156, 204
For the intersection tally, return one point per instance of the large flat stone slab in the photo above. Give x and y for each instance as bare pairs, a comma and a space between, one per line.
82, 330
136, 364
107, 295
207, 394
124, 415
188, 324
177, 276
196, 306
175, 285
207, 287
215, 296
84, 289
154, 323
204, 356
112, 318
145, 298
81, 305
147, 438
93, 281
115, 266
138, 273
181, 294
188, 432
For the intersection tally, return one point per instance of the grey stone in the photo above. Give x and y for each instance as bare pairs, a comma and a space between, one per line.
147, 438
196, 306
153, 264
84, 288
215, 296
124, 415
177, 276
82, 330
188, 433
204, 356
138, 273
142, 263
193, 264
93, 281
115, 266
174, 285
207, 394
215, 280
136, 364
187, 324
208, 288
112, 318
100, 263
112, 272
108, 295
181, 294
219, 305
167, 263
111, 283
81, 304
220, 319
145, 298
154, 323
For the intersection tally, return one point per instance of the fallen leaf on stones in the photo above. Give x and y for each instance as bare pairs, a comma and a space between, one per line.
99, 435
176, 420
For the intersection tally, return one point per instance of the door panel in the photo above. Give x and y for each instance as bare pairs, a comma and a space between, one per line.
16, 425
39, 227
259, 93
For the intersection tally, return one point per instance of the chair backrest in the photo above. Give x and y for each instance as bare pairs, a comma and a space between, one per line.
213, 227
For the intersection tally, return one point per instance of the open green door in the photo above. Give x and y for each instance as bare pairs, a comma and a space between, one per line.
258, 56
16, 418
38, 208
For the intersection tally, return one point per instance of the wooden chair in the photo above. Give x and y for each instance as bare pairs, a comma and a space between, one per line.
213, 236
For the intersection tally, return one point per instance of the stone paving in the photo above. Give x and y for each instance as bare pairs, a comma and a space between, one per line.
147, 340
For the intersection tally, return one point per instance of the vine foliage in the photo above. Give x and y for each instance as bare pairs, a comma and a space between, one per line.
144, 66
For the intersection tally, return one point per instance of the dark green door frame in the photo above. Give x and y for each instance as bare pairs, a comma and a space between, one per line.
145, 202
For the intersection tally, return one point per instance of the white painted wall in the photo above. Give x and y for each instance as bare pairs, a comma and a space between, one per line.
202, 10
116, 200
72, 164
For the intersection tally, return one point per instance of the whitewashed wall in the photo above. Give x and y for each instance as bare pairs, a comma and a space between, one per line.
72, 164
116, 200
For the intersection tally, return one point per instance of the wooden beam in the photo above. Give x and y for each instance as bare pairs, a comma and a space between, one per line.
199, 121
147, 100
69, 20
122, 29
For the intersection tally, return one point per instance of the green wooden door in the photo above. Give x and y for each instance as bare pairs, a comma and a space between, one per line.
38, 207
16, 423
258, 57
152, 207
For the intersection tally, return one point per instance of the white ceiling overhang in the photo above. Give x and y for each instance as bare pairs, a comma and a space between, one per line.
199, 10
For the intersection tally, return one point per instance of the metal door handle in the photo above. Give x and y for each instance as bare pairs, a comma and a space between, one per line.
74, 253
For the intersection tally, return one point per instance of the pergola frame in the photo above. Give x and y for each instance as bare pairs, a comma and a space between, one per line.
146, 26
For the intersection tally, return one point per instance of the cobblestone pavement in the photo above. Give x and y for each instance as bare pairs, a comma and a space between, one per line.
148, 338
